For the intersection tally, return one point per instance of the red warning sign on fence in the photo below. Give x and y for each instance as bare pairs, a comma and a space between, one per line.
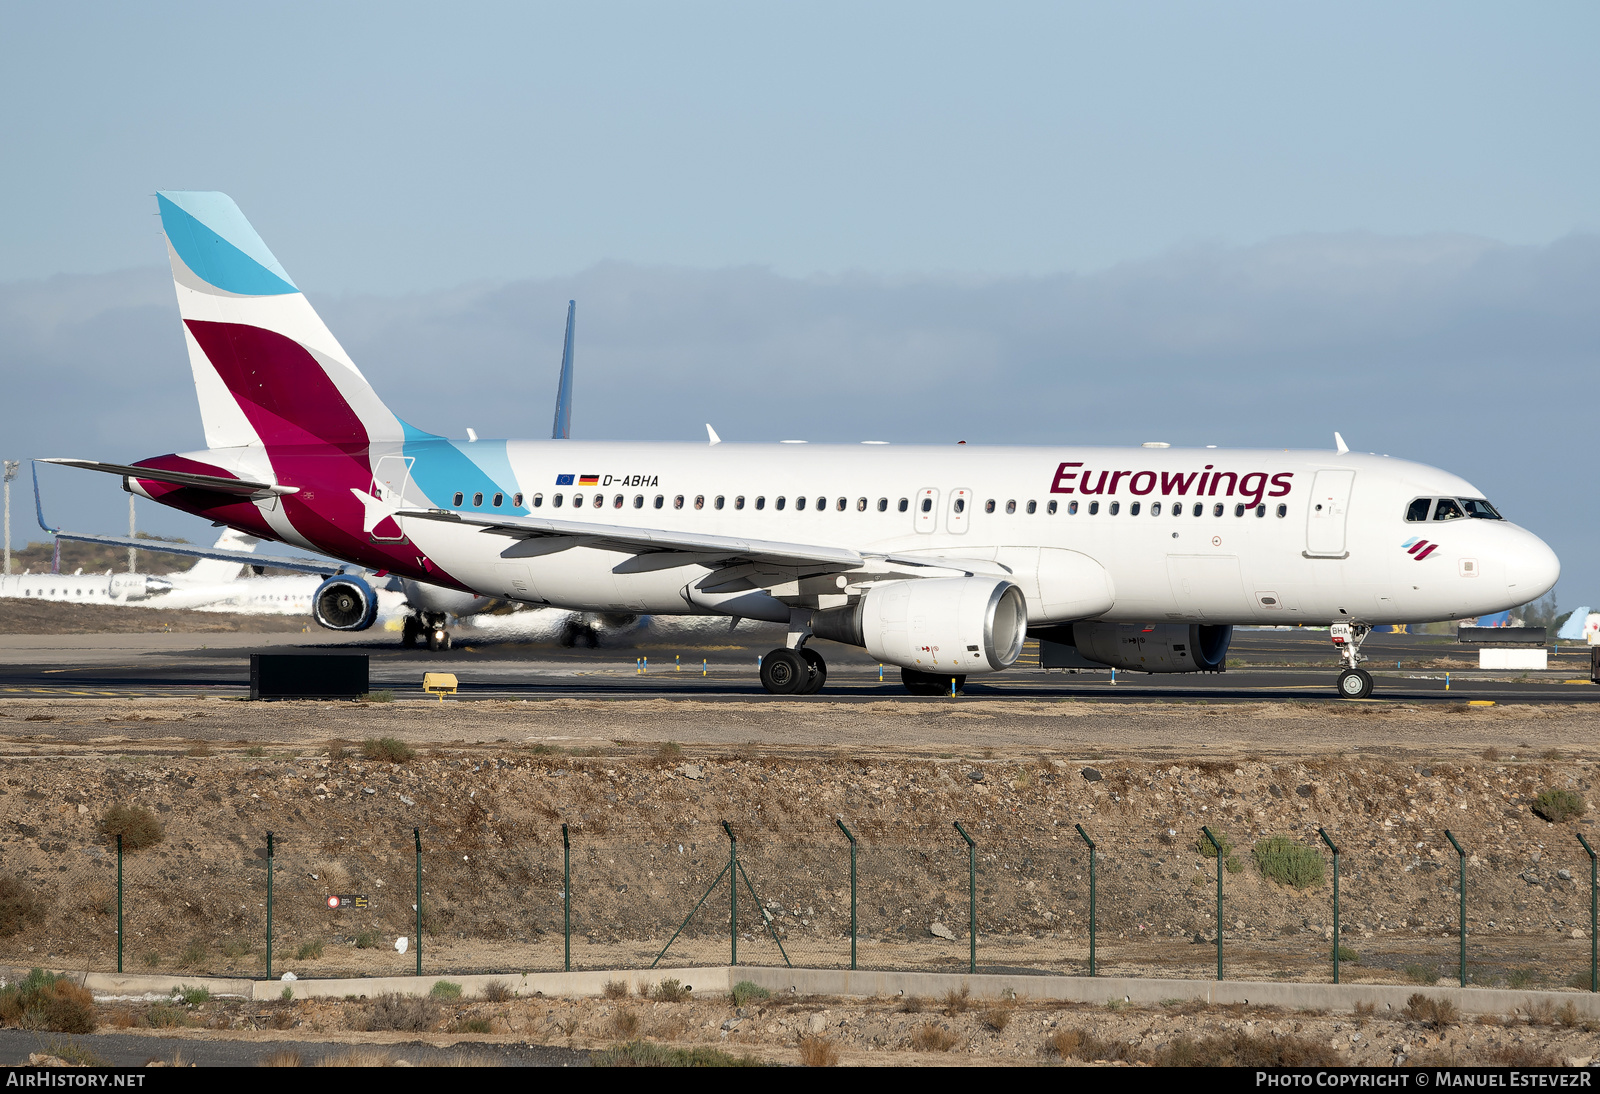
347, 900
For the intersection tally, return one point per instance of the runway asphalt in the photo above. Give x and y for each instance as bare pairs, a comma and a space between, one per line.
1278, 665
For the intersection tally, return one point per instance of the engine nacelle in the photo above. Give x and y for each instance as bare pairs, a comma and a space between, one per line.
423, 597
344, 603
947, 624
136, 586
1147, 647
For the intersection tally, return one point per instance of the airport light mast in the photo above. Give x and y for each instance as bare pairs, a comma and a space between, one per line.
11, 473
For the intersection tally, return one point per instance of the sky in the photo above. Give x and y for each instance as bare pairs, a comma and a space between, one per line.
1227, 223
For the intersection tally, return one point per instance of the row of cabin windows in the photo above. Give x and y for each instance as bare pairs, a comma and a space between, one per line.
499, 500
618, 501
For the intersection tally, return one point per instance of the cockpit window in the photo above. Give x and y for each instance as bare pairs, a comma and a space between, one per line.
1448, 509
1418, 510
1477, 507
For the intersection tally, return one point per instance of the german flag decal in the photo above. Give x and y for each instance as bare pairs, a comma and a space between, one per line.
588, 480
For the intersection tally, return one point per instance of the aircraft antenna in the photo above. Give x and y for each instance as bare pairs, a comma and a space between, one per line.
562, 430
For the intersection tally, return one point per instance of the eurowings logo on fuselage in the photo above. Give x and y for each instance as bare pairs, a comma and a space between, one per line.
1419, 549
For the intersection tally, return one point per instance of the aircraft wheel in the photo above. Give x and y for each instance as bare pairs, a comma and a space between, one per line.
819, 672
784, 672
1355, 684
409, 631
438, 640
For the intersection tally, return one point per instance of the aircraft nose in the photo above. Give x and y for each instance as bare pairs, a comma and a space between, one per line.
1531, 568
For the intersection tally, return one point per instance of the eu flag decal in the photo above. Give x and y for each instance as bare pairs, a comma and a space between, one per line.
563, 480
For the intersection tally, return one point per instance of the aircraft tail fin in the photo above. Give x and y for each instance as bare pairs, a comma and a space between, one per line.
216, 571
266, 368
1572, 630
562, 430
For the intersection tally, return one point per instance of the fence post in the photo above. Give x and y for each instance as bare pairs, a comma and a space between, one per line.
849, 835
1090, 842
1323, 832
269, 905
1594, 917
566, 897
416, 834
733, 894
119, 902
1217, 846
1461, 857
972, 899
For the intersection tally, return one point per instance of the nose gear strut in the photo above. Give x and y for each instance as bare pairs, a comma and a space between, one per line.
1354, 682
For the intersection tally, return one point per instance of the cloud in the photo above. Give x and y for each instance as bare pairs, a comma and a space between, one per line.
1458, 351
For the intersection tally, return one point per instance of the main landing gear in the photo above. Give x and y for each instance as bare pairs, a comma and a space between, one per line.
1354, 682
793, 672
429, 626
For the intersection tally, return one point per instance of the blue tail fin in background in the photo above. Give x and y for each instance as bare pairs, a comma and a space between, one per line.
562, 430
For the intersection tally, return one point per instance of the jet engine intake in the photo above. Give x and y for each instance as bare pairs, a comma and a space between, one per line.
1147, 647
949, 624
344, 603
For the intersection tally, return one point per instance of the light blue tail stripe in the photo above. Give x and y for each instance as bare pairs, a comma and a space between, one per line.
214, 240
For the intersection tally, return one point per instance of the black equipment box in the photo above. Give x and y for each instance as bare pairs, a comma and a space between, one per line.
1502, 636
308, 675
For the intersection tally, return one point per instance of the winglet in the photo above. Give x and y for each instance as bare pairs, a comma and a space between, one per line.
712, 433
562, 430
38, 506
1338, 444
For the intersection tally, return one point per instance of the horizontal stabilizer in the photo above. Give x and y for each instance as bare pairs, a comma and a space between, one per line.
299, 565
180, 478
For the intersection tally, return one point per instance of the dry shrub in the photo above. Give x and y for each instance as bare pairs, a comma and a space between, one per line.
497, 991
997, 1018
670, 991
1240, 1049
911, 1004
1080, 1044
137, 826
390, 750
282, 1058
615, 989
123, 1018
1567, 1016
358, 1057
42, 1000
1491, 754
1556, 806
283, 1019
624, 1024
20, 907
955, 1002
1365, 1011
932, 1038
1437, 1013
1521, 1054
818, 1052
406, 1013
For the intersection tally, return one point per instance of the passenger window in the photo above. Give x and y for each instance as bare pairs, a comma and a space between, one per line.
660, 500
1033, 507
1418, 509
616, 503
1094, 508
556, 501
1011, 506
1199, 509
1116, 507
1261, 511
677, 502
779, 503
1283, 510
927, 504
457, 502
516, 500
538, 500
761, 503
477, 499
638, 501
861, 505
577, 501
738, 502
1051, 509
842, 503
1216, 510
1447, 509
699, 501
961, 505
799, 503
1155, 509
904, 504
718, 502
988, 506
600, 499
883, 505
1238, 510
822, 503
499, 499
1133, 510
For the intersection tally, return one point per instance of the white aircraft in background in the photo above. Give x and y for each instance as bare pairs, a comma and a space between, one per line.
938, 559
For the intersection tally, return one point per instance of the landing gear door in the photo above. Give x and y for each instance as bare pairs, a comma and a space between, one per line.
390, 478
927, 510
960, 511
1327, 510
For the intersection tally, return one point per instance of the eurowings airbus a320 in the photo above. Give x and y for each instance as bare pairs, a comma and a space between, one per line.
939, 559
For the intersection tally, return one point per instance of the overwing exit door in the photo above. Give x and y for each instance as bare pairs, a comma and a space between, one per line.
927, 510
960, 514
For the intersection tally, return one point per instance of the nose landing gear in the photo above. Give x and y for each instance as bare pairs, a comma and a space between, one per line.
1354, 682
430, 627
